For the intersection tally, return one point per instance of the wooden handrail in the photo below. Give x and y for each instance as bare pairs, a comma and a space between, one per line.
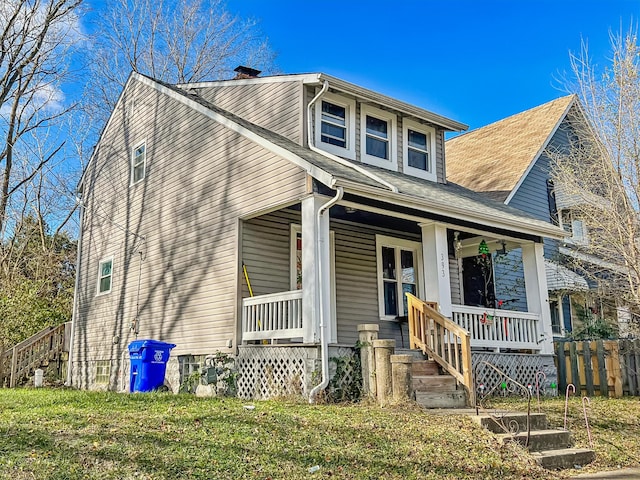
441, 339
30, 353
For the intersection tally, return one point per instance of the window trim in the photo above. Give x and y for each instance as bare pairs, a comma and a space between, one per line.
401, 244
350, 123
137, 145
392, 120
430, 132
100, 277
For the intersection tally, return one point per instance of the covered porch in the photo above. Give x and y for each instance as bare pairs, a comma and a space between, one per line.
354, 263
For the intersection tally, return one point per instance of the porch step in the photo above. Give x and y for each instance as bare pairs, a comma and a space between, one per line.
454, 399
414, 352
565, 458
425, 367
512, 421
540, 440
552, 449
434, 383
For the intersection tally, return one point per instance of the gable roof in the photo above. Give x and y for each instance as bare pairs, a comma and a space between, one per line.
447, 200
495, 159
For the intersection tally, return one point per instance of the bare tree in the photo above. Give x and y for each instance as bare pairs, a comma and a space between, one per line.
174, 41
597, 177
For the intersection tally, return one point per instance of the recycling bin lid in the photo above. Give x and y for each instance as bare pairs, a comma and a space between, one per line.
138, 345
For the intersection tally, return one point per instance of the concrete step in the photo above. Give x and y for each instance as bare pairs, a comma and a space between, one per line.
425, 367
540, 440
512, 421
564, 458
433, 383
455, 399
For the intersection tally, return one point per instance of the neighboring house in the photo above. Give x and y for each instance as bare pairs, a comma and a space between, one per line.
509, 161
329, 199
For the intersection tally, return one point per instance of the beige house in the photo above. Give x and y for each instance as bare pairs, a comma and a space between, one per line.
268, 217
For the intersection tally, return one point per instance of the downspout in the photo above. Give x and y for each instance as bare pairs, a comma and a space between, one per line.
324, 341
335, 158
74, 313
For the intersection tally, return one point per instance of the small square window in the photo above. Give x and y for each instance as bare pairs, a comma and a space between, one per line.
105, 272
103, 372
138, 163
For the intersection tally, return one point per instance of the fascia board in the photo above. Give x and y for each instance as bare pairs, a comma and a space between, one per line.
447, 210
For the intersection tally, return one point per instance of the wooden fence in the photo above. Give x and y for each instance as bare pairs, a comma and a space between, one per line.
600, 367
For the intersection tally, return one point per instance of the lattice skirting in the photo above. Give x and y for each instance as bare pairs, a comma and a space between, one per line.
267, 371
517, 366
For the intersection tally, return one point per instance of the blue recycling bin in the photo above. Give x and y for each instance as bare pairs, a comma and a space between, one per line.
148, 364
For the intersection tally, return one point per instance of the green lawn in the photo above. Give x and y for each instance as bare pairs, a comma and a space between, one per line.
63, 434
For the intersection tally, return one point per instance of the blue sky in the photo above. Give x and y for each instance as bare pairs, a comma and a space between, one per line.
473, 61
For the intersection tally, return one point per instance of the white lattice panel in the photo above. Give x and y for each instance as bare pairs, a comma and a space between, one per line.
266, 372
518, 367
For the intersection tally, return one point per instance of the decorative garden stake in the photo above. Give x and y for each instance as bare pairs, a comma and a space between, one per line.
586, 419
481, 388
554, 389
530, 387
566, 402
503, 386
539, 374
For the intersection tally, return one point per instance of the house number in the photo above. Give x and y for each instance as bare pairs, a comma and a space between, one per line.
442, 264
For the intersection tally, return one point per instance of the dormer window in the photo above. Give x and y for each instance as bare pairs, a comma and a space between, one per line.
334, 124
378, 131
335, 130
419, 150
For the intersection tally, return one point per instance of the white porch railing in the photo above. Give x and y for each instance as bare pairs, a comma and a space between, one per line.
499, 328
272, 316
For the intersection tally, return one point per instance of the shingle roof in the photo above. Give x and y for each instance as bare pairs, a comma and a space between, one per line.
493, 159
453, 197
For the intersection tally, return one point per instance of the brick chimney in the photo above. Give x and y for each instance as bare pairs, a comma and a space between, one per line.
246, 72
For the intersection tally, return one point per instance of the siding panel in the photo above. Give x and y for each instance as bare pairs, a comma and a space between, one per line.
174, 235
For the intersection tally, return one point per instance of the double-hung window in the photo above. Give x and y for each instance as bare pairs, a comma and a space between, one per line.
105, 274
399, 267
378, 137
335, 125
418, 150
138, 163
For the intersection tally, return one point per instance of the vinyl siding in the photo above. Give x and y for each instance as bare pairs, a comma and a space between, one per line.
173, 236
509, 280
455, 281
275, 106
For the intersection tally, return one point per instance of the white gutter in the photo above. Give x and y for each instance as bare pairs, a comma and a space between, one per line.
335, 158
324, 340
74, 313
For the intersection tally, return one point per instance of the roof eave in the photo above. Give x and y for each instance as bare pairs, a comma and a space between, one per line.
447, 210
338, 84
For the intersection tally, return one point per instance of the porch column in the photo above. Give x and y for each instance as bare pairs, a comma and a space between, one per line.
315, 261
535, 280
435, 257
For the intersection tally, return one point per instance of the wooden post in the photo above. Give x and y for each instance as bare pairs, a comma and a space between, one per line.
562, 366
575, 373
383, 349
401, 377
588, 369
615, 370
602, 369
14, 367
636, 370
367, 333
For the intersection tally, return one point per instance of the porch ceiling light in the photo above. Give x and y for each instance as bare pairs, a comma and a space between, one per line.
503, 250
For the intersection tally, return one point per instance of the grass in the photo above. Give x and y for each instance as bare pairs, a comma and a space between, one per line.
65, 434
